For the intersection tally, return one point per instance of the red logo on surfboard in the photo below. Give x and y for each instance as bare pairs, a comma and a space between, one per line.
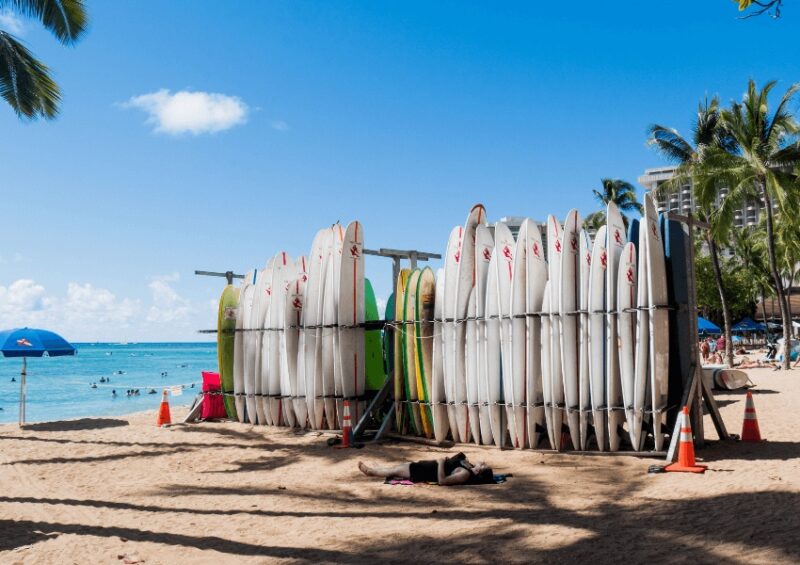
269, 291
588, 258
297, 303
604, 259
457, 256
536, 249
487, 253
304, 277
653, 229
507, 252
24, 342
558, 246
355, 252
617, 236
574, 244
630, 275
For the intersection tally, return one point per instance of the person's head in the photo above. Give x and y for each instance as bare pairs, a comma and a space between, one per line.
483, 472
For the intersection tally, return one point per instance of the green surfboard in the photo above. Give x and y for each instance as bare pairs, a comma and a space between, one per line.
226, 339
375, 367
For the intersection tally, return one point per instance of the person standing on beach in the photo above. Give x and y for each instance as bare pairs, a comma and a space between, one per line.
705, 350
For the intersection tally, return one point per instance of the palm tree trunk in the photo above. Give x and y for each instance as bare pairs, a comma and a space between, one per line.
776, 277
764, 309
726, 315
789, 299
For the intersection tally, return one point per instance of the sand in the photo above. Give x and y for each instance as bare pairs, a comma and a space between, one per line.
121, 490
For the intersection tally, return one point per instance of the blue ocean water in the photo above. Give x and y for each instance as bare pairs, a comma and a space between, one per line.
60, 387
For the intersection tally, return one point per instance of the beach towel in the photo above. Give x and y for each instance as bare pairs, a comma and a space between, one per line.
213, 405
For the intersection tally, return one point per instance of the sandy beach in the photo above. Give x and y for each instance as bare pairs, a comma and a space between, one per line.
121, 490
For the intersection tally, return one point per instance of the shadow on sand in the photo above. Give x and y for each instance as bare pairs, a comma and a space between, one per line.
76, 425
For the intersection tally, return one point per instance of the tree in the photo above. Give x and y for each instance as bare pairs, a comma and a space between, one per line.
25, 82
739, 290
621, 193
749, 251
708, 135
763, 161
771, 7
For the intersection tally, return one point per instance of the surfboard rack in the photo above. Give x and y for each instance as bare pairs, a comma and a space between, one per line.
230, 275
695, 392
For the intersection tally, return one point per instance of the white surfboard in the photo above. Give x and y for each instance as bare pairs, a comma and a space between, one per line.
466, 416
451, 259
493, 362
471, 364
311, 334
293, 384
282, 269
584, 386
519, 335
535, 281
554, 252
570, 328
352, 313
626, 302
441, 423
615, 241
328, 337
258, 318
504, 251
659, 321
597, 336
484, 245
641, 398
242, 314
547, 366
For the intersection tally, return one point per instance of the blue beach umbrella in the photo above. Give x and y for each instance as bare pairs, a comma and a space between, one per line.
28, 342
706, 326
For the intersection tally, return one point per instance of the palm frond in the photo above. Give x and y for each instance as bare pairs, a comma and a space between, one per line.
669, 143
66, 19
25, 82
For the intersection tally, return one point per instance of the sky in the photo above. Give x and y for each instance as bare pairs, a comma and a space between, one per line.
211, 135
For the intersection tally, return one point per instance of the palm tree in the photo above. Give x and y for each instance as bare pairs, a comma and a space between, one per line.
764, 161
749, 251
708, 135
621, 193
25, 82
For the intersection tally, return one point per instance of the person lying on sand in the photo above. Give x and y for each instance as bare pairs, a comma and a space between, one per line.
747, 363
448, 471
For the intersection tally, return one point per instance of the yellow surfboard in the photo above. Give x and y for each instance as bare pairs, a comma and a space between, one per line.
423, 343
399, 381
411, 367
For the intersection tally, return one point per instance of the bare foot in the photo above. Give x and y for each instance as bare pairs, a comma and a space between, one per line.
363, 468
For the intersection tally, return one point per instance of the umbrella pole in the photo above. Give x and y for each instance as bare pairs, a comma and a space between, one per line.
22, 390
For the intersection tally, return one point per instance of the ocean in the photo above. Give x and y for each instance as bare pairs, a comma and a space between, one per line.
61, 387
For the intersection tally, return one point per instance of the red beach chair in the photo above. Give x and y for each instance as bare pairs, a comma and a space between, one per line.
213, 405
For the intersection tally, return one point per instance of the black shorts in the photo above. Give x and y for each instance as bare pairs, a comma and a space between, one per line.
424, 472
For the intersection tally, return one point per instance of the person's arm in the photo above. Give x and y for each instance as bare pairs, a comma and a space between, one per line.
458, 477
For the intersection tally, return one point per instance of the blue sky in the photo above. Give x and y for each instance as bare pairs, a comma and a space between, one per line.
399, 114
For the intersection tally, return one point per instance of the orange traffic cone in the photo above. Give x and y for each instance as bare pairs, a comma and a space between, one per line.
346, 429
163, 411
750, 431
686, 463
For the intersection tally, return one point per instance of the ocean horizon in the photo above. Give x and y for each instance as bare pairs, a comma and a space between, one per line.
70, 387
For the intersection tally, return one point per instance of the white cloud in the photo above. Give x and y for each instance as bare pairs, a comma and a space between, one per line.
279, 125
190, 112
82, 311
86, 303
11, 23
168, 306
